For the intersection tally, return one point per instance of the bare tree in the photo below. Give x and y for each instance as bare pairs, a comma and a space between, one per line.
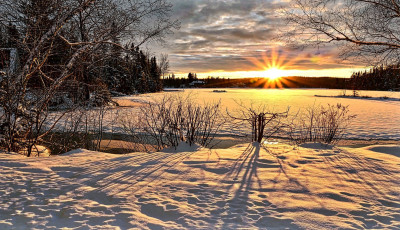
263, 122
366, 29
164, 64
82, 27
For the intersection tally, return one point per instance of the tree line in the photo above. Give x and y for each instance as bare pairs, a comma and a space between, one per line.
177, 82
377, 78
283, 82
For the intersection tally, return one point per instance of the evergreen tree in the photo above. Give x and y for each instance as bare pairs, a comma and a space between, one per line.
190, 77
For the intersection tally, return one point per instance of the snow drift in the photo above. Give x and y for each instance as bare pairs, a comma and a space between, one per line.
245, 186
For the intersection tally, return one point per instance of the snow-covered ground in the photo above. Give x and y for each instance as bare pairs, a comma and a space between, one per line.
377, 118
243, 187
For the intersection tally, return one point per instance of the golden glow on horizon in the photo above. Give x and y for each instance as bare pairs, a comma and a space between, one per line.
273, 64
342, 73
274, 73
273, 67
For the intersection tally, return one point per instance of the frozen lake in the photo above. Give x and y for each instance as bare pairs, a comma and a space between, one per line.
376, 118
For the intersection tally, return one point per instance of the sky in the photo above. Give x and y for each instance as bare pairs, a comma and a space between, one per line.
239, 38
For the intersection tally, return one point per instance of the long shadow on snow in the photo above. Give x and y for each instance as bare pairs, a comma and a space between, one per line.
107, 180
239, 209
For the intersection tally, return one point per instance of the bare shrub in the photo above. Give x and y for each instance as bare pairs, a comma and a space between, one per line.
83, 127
136, 139
202, 122
324, 124
263, 122
164, 121
173, 119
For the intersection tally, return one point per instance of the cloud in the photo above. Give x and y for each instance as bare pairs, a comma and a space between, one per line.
249, 60
222, 35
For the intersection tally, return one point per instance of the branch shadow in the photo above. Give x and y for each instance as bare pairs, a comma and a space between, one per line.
244, 181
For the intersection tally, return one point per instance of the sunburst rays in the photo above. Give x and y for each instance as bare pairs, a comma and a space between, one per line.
273, 64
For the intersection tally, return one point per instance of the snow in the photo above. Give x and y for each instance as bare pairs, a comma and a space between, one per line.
389, 149
375, 119
381, 112
183, 147
382, 99
313, 145
242, 187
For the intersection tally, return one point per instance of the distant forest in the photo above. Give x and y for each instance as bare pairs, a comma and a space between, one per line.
284, 82
378, 78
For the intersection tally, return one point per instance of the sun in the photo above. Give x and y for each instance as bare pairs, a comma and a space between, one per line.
273, 66
274, 73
